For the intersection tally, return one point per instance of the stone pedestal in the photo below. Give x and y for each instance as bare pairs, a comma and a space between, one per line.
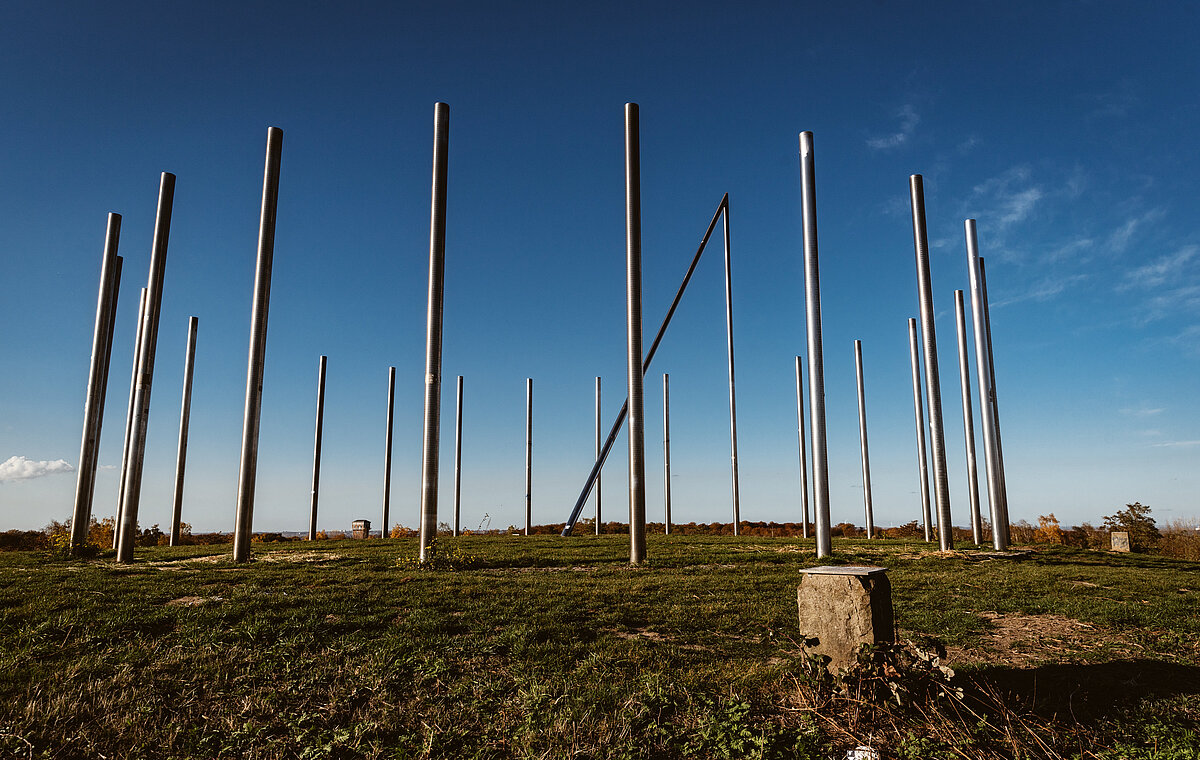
843, 607
1120, 541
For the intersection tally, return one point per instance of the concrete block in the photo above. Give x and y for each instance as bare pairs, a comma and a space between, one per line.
1120, 541
843, 607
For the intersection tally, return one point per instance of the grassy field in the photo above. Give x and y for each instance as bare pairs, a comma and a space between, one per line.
551, 647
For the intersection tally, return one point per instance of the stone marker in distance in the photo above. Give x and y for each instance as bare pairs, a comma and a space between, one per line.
1120, 541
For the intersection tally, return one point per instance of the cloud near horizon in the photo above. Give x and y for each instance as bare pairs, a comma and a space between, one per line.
24, 468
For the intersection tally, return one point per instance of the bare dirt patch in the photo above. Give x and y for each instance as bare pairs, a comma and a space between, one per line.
1015, 640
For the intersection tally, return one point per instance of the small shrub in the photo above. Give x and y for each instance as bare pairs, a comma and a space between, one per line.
441, 555
1135, 520
1048, 530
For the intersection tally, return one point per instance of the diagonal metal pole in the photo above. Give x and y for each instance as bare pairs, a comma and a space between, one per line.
387, 450
733, 442
933, 388
315, 494
816, 361
185, 413
93, 410
633, 337
803, 458
141, 405
615, 430
964, 382
987, 329
987, 416
430, 442
914, 351
125, 451
256, 363
862, 438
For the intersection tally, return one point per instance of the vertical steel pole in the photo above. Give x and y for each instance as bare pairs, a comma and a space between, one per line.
599, 530
803, 458
528, 455
987, 329
433, 331
667, 454
816, 361
933, 388
256, 363
315, 494
633, 337
733, 447
387, 452
919, 414
964, 382
145, 371
125, 451
185, 412
862, 438
93, 409
458, 457
987, 396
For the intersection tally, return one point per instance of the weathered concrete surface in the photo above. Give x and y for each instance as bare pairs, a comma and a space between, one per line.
844, 607
1120, 541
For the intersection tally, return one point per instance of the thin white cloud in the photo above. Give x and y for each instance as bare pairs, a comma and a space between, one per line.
1166, 444
908, 123
967, 145
1167, 269
1142, 411
1043, 290
23, 468
1122, 236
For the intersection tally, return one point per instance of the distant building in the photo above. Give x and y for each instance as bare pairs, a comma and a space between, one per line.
362, 528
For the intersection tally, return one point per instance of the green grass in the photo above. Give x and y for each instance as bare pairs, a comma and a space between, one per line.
550, 647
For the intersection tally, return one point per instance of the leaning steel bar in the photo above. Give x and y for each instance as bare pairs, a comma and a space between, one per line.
616, 427
93, 410
919, 414
257, 354
318, 436
868, 509
141, 406
137, 353
964, 382
933, 387
987, 416
987, 329
733, 443
816, 361
803, 463
431, 439
185, 415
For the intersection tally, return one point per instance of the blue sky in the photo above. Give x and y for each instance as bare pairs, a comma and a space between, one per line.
1067, 129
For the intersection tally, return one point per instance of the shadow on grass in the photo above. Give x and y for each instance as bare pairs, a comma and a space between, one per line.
1084, 691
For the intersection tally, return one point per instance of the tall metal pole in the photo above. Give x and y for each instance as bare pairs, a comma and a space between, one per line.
816, 361
185, 411
964, 382
145, 371
733, 447
248, 469
93, 409
919, 414
125, 449
599, 522
315, 494
667, 454
862, 438
987, 396
803, 458
633, 337
933, 388
458, 456
987, 329
433, 331
528, 455
615, 430
387, 451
